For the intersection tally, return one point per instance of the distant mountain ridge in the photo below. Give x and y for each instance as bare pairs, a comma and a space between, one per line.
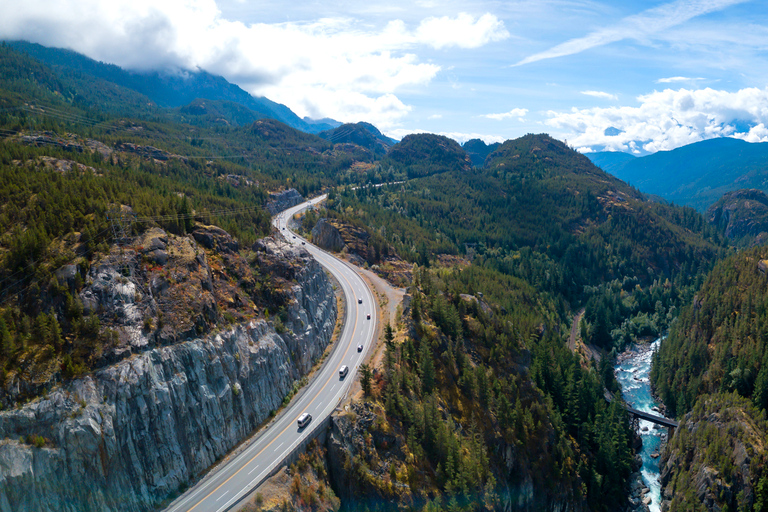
695, 175
169, 89
478, 150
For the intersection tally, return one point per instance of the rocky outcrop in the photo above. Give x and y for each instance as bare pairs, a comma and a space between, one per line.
715, 456
130, 435
740, 214
327, 236
144, 151
283, 200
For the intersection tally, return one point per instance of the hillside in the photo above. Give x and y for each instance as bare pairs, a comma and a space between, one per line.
718, 342
479, 405
543, 213
695, 175
425, 154
364, 135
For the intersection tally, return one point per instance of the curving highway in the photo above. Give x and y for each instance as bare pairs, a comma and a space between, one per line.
227, 485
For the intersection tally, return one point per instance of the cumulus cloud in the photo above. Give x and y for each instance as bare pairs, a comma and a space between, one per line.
639, 26
668, 119
600, 94
515, 112
463, 31
335, 67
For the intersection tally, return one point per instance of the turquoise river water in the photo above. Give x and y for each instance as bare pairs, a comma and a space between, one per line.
632, 369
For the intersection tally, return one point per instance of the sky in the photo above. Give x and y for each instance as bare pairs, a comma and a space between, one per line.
634, 76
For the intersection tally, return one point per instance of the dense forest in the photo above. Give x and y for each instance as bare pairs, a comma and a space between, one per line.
543, 213
521, 408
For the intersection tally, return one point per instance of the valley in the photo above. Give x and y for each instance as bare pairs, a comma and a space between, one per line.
176, 256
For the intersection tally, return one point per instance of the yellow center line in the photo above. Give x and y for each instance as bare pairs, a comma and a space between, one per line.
288, 426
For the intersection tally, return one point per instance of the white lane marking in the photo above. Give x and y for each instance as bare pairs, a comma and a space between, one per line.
225, 493
278, 446
254, 469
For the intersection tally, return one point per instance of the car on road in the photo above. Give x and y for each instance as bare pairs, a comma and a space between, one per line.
360, 347
359, 301
304, 419
294, 236
343, 371
368, 316
302, 242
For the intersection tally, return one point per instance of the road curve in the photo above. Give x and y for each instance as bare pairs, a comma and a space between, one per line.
234, 479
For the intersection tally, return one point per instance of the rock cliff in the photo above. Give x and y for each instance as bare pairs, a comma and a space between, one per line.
131, 434
327, 236
740, 214
283, 200
717, 457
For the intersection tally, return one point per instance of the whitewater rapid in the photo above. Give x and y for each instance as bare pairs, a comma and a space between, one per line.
632, 370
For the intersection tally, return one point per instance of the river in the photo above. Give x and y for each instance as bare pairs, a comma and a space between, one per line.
632, 369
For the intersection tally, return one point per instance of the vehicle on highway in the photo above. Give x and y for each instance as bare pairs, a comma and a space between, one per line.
343, 371
359, 301
368, 316
302, 242
360, 347
304, 419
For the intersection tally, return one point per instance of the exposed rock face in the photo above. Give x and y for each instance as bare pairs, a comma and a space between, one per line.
743, 213
129, 435
145, 151
283, 200
327, 236
715, 456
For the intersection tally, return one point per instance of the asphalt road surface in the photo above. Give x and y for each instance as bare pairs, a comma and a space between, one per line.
227, 485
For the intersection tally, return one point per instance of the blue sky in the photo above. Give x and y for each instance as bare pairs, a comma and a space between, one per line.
637, 76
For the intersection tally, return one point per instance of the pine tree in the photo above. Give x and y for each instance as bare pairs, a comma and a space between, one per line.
366, 375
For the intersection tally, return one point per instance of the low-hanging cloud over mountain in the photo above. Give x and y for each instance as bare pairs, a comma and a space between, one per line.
335, 67
667, 119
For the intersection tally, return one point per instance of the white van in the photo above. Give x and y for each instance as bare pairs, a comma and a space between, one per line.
304, 419
343, 371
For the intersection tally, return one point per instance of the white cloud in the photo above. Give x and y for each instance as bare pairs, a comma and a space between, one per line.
668, 119
600, 94
435, 116
674, 79
639, 26
462, 31
515, 112
334, 67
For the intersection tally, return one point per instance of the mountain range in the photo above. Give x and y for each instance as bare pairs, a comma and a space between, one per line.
180, 89
695, 175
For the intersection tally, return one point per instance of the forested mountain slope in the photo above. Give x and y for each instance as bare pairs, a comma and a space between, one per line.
173, 88
544, 213
712, 372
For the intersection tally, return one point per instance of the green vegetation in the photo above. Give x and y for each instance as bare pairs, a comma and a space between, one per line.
718, 458
486, 398
720, 341
543, 213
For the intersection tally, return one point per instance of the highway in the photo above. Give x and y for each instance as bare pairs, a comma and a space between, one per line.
226, 486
